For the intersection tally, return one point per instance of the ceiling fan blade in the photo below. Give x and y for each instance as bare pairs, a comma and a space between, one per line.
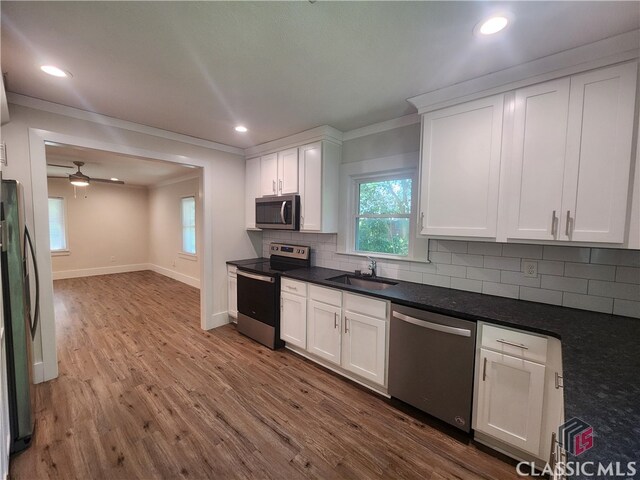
55, 176
106, 180
61, 166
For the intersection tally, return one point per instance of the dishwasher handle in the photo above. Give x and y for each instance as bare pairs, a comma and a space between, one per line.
462, 332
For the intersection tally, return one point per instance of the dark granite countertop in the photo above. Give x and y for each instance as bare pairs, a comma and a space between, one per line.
247, 261
600, 353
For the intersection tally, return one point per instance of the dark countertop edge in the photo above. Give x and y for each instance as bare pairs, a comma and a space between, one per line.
247, 261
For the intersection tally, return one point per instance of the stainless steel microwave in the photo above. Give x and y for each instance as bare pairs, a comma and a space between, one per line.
278, 213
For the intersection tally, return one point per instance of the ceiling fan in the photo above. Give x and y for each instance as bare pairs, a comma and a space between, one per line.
79, 179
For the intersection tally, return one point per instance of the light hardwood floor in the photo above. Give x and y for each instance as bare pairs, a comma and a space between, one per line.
144, 393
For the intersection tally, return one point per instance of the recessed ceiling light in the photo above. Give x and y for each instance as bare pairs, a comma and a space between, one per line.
493, 25
114, 179
241, 129
55, 71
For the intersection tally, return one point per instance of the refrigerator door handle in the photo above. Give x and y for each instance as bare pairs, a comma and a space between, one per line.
36, 314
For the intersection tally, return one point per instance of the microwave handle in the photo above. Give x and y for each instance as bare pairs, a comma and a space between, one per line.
284, 204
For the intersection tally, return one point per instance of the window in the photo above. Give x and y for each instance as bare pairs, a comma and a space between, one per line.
383, 220
189, 225
57, 225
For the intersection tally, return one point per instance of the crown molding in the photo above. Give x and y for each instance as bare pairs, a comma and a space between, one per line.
325, 132
171, 181
398, 122
617, 49
38, 104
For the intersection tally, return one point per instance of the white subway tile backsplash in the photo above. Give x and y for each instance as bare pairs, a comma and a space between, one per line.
500, 289
588, 270
484, 248
452, 246
628, 274
566, 254
484, 274
466, 284
565, 284
518, 250
502, 263
587, 302
541, 295
451, 270
518, 278
625, 291
467, 260
627, 308
603, 280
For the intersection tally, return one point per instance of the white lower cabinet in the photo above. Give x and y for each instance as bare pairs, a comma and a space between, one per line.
510, 400
364, 346
293, 319
232, 291
324, 324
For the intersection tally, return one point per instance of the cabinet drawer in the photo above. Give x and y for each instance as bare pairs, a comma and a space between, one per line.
295, 287
325, 295
232, 269
515, 343
365, 305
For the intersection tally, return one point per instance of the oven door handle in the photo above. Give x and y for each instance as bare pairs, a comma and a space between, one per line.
284, 204
262, 278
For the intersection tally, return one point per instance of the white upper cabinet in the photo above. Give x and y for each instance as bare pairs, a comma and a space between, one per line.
269, 174
288, 172
597, 167
252, 185
537, 150
460, 169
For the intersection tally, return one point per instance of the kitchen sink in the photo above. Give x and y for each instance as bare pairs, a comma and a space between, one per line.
365, 283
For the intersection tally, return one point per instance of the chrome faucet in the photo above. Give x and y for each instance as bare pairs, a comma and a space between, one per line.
372, 266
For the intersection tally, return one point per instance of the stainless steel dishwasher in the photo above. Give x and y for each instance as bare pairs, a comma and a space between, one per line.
431, 359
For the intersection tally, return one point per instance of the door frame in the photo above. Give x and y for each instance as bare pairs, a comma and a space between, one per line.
39, 189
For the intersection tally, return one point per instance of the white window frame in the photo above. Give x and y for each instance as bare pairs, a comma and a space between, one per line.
355, 215
195, 227
65, 250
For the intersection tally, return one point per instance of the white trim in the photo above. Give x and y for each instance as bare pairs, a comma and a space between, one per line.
61, 253
30, 102
171, 181
218, 320
38, 372
91, 272
188, 256
617, 49
4, 105
398, 122
317, 134
181, 277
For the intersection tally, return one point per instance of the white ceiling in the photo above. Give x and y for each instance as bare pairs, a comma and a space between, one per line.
100, 164
199, 68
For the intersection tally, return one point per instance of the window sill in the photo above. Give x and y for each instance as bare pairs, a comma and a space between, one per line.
60, 253
188, 256
384, 256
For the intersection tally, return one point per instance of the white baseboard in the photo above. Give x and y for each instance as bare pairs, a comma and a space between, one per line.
90, 272
38, 372
217, 320
194, 282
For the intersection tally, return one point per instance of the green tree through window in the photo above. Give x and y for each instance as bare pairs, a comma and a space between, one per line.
383, 220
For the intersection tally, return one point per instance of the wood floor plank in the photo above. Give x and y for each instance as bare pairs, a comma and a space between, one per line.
144, 393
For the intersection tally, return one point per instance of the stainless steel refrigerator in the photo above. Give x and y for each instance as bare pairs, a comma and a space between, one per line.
19, 271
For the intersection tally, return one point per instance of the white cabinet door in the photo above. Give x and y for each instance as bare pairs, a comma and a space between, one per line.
232, 292
288, 171
252, 191
364, 346
323, 330
536, 163
269, 174
597, 166
311, 187
293, 319
460, 169
510, 400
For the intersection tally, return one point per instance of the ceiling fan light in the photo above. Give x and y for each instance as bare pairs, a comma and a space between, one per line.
79, 182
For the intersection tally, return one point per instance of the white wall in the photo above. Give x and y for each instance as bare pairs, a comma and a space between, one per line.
224, 230
165, 232
107, 229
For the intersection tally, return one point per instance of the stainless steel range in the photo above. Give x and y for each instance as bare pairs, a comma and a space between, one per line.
259, 292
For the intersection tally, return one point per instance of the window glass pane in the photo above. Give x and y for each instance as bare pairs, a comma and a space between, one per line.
385, 197
383, 235
189, 225
57, 237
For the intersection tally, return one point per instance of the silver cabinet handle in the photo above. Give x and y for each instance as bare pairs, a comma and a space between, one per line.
335, 320
484, 369
253, 276
346, 320
513, 344
421, 221
559, 381
274, 186
566, 230
554, 224
284, 204
280, 186
552, 454
463, 332
295, 289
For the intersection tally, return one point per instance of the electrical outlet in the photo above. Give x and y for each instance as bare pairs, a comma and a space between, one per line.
113, 259
530, 269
